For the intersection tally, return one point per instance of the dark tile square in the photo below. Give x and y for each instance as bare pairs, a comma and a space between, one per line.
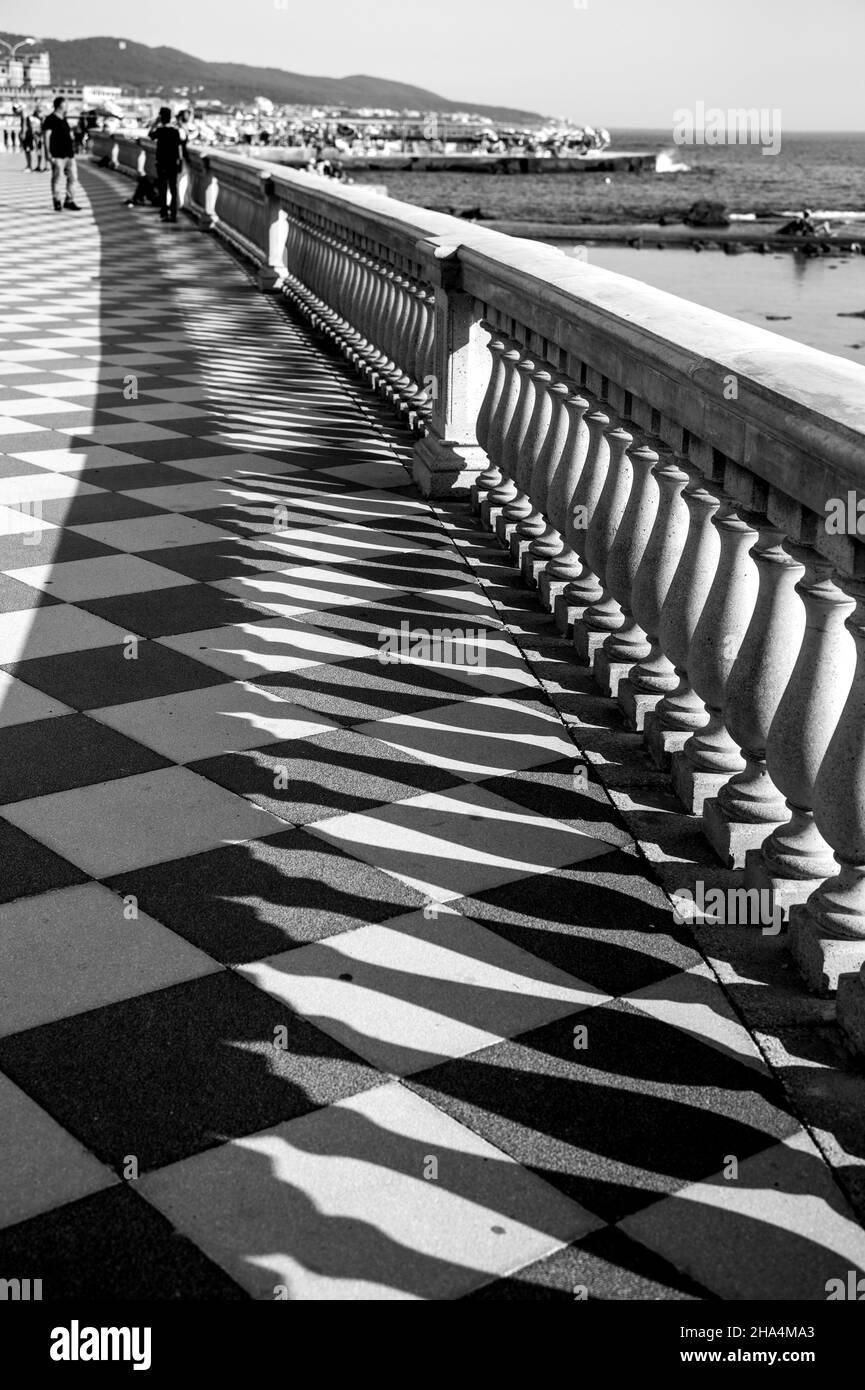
305, 780
103, 676
129, 477
30, 867
54, 755
245, 902
407, 572
90, 508
213, 559
641, 1111
17, 468
15, 595
604, 922
175, 450
354, 692
607, 1264
51, 548
256, 521
170, 1073
556, 790
112, 1245
166, 612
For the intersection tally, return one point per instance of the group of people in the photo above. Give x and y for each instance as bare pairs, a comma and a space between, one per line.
49, 142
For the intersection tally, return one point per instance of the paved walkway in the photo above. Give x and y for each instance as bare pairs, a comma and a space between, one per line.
320, 976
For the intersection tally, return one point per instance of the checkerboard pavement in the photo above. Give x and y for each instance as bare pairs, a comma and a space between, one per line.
319, 976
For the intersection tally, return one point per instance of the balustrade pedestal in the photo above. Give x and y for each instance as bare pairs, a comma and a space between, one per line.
827, 933
851, 1009
449, 458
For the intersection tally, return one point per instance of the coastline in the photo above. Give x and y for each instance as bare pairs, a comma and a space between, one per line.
739, 236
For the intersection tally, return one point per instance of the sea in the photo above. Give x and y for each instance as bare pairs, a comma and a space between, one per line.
823, 172
820, 302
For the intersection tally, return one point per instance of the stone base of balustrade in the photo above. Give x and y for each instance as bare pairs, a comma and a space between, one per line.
490, 513
692, 786
821, 960
270, 279
731, 839
550, 590
531, 570
608, 674
519, 546
662, 744
567, 615
786, 892
851, 1011
441, 469
636, 705
477, 496
505, 529
587, 643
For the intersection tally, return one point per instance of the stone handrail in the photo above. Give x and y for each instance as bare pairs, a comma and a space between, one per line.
681, 488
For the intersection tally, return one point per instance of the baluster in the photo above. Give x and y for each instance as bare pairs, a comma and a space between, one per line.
516, 506
710, 757
681, 712
604, 615
654, 676
423, 401
795, 859
564, 567
548, 544
827, 933
487, 415
750, 806
629, 644
532, 525
586, 589
502, 491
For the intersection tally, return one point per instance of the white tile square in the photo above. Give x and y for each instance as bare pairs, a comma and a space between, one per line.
137, 533
129, 432
196, 497
33, 487
77, 460
285, 1209
219, 719
779, 1232
448, 844
478, 738
105, 576
22, 704
32, 632
415, 992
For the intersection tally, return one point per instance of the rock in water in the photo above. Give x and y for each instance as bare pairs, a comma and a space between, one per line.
707, 214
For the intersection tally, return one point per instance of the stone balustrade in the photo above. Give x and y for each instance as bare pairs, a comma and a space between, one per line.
680, 488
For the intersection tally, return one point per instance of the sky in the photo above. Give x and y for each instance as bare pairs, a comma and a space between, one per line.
615, 63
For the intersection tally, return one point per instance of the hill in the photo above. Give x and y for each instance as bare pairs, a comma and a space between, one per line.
143, 69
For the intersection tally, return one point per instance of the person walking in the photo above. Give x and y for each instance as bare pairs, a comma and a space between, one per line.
60, 150
169, 146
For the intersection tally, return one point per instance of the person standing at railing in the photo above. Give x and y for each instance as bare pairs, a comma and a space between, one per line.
31, 139
169, 148
60, 150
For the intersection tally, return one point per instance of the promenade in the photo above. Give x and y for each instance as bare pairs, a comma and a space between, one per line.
323, 976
